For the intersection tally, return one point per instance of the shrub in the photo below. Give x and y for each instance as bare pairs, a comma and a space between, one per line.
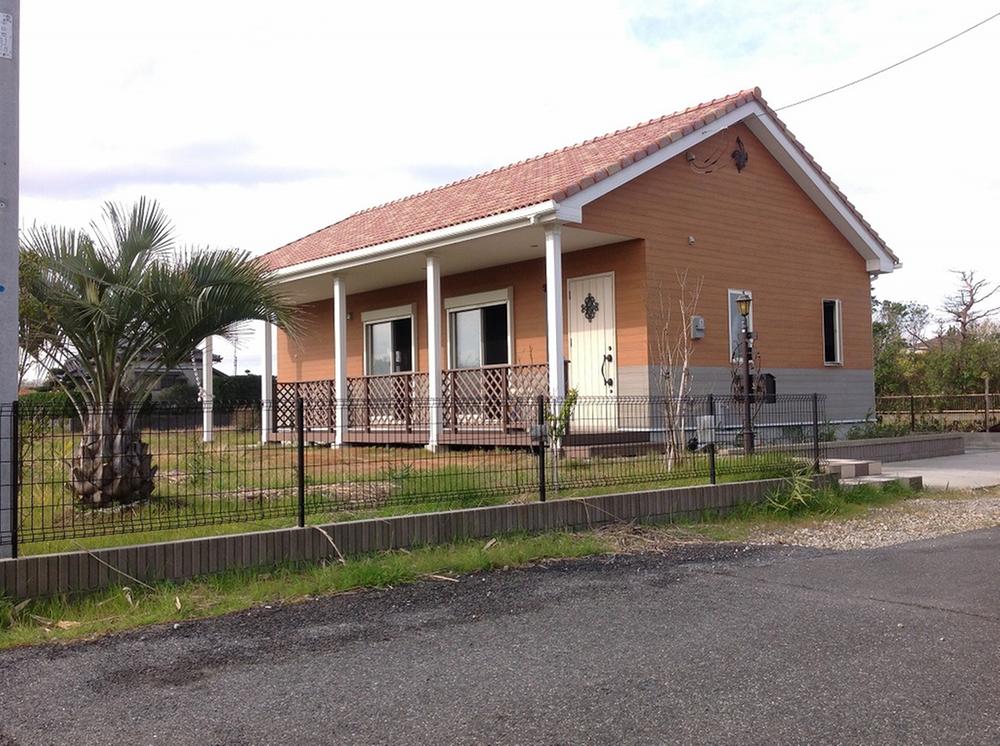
230, 391
55, 403
180, 395
875, 429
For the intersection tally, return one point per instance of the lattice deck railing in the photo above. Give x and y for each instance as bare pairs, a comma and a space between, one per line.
493, 397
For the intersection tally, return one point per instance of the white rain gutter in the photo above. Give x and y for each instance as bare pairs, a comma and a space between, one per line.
522, 218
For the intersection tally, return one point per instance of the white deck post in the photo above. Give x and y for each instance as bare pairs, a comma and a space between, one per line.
207, 391
433, 351
340, 359
266, 390
554, 311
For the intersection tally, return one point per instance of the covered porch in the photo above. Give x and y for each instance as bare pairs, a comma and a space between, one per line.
452, 342
498, 400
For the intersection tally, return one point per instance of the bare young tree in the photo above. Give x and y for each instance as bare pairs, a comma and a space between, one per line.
970, 303
674, 346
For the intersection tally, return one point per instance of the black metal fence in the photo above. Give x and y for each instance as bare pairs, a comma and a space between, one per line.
928, 413
167, 472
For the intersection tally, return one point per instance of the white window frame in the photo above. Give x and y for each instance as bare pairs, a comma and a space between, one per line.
732, 295
838, 330
473, 301
381, 315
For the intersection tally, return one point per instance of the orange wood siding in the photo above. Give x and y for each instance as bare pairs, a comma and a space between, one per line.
310, 357
756, 229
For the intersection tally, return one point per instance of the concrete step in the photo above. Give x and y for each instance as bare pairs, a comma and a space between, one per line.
916, 483
847, 468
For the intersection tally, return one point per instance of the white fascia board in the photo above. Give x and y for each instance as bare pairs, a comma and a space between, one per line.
790, 156
422, 242
785, 152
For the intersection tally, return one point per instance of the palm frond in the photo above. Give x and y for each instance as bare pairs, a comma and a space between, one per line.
121, 294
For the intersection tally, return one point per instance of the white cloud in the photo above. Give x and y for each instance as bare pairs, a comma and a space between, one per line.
255, 123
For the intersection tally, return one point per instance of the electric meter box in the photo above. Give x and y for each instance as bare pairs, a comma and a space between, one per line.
697, 327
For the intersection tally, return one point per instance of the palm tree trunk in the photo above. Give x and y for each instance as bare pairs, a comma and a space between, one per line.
111, 465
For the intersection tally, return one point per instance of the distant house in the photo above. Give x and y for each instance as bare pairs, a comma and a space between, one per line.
946, 340
186, 372
554, 272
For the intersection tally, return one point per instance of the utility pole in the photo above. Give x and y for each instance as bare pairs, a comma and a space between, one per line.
10, 52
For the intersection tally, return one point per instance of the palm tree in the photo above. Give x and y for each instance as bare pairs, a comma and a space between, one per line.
124, 305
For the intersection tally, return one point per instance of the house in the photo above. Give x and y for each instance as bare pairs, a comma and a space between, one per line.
554, 272
149, 366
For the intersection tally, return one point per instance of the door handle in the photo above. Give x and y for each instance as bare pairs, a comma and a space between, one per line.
604, 361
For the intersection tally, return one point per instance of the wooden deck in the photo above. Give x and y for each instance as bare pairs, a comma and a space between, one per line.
391, 437
465, 438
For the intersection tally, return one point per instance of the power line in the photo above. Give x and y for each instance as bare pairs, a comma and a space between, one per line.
890, 67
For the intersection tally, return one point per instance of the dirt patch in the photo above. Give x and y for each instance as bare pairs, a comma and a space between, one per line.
355, 494
919, 518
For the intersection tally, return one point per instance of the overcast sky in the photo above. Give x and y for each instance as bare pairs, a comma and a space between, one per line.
255, 123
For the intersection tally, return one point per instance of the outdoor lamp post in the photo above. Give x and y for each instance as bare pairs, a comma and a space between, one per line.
743, 306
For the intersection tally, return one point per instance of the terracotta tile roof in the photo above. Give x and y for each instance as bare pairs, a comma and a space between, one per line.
553, 176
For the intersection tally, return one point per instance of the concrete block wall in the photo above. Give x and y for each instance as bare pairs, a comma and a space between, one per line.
74, 572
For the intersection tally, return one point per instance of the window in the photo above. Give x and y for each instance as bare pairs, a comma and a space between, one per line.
479, 329
832, 347
479, 336
388, 341
736, 324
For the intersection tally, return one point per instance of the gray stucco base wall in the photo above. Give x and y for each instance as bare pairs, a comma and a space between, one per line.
850, 394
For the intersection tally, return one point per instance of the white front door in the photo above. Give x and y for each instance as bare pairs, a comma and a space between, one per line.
593, 352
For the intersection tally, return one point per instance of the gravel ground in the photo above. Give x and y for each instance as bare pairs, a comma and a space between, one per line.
919, 518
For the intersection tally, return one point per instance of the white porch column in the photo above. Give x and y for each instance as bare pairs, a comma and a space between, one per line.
340, 359
433, 351
266, 390
207, 388
554, 310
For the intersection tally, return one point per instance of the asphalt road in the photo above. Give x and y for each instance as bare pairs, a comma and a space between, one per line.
706, 644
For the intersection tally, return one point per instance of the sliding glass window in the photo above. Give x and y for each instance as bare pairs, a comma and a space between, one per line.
479, 336
389, 346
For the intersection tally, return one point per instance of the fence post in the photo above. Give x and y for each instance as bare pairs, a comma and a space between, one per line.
711, 445
986, 402
300, 454
15, 476
913, 414
815, 406
542, 445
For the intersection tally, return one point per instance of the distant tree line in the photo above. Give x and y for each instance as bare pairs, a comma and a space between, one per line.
918, 351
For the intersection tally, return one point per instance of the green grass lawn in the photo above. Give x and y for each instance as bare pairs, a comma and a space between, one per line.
122, 607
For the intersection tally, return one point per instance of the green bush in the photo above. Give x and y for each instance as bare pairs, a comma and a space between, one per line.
54, 403
232, 391
875, 429
180, 395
